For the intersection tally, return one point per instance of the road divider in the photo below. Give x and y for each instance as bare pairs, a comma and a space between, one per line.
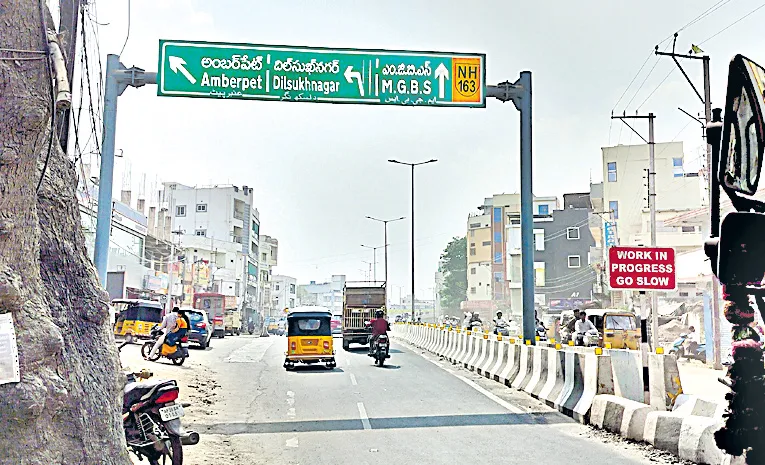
605, 388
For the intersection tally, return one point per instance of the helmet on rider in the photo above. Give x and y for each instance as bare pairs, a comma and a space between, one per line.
499, 314
378, 314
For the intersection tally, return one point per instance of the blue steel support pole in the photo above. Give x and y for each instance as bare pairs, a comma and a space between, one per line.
527, 214
104, 219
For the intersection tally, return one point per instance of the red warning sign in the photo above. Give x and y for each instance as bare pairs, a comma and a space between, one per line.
642, 268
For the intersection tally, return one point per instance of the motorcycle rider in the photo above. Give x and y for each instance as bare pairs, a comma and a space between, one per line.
380, 327
582, 327
169, 324
499, 322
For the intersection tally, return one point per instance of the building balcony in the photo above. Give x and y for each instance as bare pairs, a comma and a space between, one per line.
238, 215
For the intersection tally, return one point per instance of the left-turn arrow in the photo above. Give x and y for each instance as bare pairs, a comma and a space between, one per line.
178, 64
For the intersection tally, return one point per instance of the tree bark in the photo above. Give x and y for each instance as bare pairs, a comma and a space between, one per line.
66, 409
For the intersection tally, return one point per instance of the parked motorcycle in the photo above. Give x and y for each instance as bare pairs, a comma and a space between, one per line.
679, 350
151, 418
379, 349
176, 353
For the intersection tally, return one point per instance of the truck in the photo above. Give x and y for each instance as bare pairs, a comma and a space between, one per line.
232, 319
360, 302
213, 304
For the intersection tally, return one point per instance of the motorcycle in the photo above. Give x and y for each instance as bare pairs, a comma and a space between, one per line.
176, 353
502, 329
475, 326
541, 333
589, 339
679, 350
151, 419
379, 349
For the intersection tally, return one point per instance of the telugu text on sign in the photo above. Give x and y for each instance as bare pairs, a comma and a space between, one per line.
284, 73
641, 268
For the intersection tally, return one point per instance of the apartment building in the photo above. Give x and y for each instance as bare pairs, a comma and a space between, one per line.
283, 292
269, 258
489, 271
217, 214
327, 294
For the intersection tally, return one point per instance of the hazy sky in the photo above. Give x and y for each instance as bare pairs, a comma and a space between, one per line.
317, 170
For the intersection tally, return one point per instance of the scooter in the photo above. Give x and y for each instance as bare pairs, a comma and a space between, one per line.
589, 339
176, 353
502, 330
151, 419
679, 350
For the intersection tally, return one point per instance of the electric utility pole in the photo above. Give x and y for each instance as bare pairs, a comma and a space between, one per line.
707, 101
652, 210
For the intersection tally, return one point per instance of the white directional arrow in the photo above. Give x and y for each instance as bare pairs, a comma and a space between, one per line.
350, 75
178, 64
442, 74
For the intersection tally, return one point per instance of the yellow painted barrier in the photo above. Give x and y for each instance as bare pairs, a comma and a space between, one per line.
536, 338
660, 350
469, 332
571, 343
557, 346
608, 345
499, 337
512, 341
552, 340
528, 342
598, 351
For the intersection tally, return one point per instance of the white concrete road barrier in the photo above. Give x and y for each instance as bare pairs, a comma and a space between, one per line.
538, 371
501, 357
627, 368
552, 388
513, 365
526, 365
619, 415
663, 380
480, 346
490, 359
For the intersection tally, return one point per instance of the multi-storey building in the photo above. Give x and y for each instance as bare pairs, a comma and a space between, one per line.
269, 258
284, 291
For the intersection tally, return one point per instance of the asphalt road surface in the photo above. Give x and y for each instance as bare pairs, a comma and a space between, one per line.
417, 410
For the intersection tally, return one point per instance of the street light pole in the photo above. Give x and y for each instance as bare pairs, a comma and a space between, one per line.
433, 160
385, 238
374, 257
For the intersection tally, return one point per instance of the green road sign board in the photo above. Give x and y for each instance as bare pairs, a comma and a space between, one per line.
283, 73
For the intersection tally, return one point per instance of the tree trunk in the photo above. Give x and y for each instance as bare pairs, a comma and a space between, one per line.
66, 409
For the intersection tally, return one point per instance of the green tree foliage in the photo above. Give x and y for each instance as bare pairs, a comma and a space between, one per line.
454, 268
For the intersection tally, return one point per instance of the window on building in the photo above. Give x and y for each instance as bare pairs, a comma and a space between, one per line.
180, 210
574, 261
611, 171
472, 251
498, 237
255, 227
485, 243
472, 290
292, 303
572, 234
201, 208
677, 167
472, 233
688, 229
475, 225
472, 244
276, 287
263, 257
613, 207
292, 288
539, 274
544, 209
200, 232
472, 270
497, 215
498, 257
498, 276
539, 239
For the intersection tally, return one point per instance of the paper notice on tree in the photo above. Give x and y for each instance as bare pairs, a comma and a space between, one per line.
9, 353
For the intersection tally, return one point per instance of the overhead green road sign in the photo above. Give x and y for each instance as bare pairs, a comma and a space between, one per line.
284, 73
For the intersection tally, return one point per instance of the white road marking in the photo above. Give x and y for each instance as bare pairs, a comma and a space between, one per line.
353, 380
292, 442
478, 388
364, 417
291, 412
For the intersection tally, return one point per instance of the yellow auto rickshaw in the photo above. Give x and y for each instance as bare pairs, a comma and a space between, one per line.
309, 337
619, 329
136, 318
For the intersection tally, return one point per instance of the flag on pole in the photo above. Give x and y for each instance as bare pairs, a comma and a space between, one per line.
696, 49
